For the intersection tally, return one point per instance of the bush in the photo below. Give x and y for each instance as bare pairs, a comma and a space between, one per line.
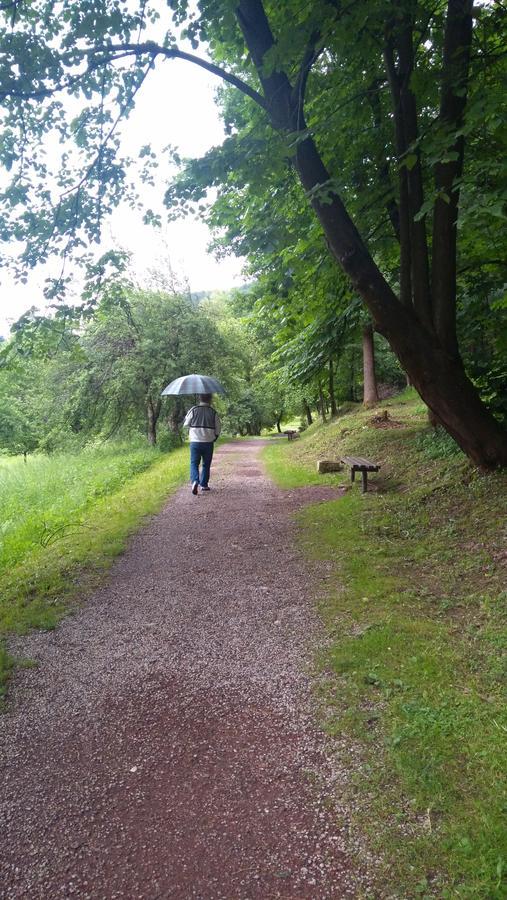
168, 440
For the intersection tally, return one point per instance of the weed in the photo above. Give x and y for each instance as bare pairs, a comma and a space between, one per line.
436, 443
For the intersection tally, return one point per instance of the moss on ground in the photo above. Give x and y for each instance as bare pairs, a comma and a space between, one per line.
414, 668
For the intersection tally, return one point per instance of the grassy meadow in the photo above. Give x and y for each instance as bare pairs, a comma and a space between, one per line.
64, 518
414, 667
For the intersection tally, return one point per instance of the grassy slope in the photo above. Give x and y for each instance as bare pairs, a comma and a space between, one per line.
72, 517
416, 616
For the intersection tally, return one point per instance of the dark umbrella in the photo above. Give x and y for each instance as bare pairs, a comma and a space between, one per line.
194, 384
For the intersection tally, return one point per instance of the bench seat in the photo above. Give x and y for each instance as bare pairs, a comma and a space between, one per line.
360, 464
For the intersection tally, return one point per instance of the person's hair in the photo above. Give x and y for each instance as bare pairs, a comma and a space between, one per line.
205, 398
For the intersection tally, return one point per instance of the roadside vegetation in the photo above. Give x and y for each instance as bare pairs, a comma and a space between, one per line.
414, 603
64, 519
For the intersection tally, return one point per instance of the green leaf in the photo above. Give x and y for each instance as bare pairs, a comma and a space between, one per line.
409, 161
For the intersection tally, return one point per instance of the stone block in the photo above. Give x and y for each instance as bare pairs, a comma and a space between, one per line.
324, 466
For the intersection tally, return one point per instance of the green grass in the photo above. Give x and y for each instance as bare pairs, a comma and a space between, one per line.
416, 616
64, 519
289, 473
44, 498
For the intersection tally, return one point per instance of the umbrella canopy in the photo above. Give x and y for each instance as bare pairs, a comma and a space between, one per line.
194, 384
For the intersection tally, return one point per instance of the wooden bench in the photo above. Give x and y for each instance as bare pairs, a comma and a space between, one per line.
359, 464
291, 434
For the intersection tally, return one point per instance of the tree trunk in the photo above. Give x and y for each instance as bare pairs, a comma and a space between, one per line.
456, 57
370, 392
307, 412
332, 398
414, 261
152, 412
279, 422
176, 416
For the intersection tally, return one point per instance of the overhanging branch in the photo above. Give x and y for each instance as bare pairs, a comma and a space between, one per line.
112, 53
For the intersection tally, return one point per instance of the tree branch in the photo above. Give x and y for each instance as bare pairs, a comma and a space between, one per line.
114, 52
384, 173
259, 39
310, 56
400, 38
453, 98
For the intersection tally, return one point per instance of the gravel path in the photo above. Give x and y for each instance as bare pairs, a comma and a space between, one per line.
164, 747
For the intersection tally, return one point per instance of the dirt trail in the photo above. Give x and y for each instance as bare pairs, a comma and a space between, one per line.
164, 746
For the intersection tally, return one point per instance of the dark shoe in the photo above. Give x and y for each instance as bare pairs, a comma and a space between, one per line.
205, 488
194, 487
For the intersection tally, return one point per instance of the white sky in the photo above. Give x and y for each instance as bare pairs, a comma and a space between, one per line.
175, 106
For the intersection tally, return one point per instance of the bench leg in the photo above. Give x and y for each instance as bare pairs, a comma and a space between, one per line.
365, 480
352, 474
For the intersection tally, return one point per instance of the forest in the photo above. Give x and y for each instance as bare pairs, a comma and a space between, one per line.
66, 383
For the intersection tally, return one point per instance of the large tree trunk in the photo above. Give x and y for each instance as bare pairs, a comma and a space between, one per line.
308, 412
370, 391
438, 376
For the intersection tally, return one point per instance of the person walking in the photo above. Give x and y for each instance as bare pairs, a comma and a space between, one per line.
204, 427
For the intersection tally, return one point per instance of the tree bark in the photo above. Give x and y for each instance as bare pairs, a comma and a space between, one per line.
421, 289
176, 416
439, 377
370, 391
279, 422
308, 412
456, 57
404, 214
152, 414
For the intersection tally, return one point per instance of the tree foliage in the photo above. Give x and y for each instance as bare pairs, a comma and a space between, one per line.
102, 376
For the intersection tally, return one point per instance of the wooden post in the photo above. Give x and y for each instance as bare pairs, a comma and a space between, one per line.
365, 480
352, 474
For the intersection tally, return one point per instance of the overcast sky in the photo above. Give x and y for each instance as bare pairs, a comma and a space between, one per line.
175, 107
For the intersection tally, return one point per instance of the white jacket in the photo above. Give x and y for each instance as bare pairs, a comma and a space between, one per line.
203, 423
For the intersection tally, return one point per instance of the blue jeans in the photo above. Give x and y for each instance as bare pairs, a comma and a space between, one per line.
200, 451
